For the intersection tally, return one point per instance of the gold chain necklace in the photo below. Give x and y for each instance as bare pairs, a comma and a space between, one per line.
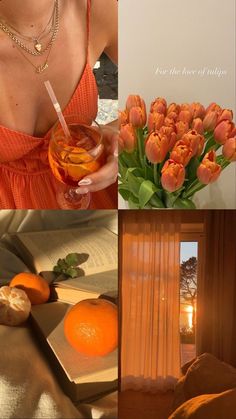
38, 48
36, 39
40, 68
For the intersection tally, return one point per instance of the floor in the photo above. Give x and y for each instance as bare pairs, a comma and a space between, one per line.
138, 405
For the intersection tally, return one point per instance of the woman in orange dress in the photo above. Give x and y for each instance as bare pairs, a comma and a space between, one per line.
74, 34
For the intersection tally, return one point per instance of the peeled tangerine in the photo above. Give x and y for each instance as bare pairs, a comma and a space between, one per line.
14, 306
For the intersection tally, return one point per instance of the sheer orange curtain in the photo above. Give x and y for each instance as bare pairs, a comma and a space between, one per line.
216, 310
150, 345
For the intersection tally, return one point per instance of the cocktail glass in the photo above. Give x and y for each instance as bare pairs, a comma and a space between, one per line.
72, 158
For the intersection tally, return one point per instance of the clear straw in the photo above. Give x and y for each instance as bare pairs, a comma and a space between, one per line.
57, 108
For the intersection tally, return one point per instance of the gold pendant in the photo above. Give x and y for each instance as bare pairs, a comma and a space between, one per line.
38, 46
42, 67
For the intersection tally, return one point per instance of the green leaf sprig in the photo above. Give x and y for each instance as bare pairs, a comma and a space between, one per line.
69, 265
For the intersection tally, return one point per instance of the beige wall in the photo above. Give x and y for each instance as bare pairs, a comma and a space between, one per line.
162, 35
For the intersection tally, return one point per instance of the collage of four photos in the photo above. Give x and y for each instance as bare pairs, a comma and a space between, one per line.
117, 209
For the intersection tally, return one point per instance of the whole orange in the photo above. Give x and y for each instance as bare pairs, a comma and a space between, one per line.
36, 288
91, 326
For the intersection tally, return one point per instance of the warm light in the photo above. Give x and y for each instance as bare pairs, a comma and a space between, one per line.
189, 310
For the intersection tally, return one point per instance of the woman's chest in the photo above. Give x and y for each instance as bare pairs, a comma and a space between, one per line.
24, 103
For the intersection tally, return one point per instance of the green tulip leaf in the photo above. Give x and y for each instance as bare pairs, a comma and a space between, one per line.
146, 191
122, 170
149, 173
192, 170
129, 159
134, 184
156, 201
124, 192
136, 171
184, 204
133, 203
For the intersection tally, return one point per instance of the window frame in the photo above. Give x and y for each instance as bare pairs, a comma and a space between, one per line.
195, 233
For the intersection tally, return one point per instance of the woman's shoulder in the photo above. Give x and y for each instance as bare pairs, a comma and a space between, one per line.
104, 24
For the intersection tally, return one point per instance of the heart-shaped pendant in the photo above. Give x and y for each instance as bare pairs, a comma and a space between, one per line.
38, 47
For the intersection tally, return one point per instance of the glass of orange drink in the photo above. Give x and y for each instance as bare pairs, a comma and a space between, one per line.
72, 158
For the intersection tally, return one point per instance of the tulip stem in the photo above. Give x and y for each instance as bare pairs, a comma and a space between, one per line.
208, 134
140, 146
193, 190
209, 144
222, 161
145, 168
190, 190
155, 173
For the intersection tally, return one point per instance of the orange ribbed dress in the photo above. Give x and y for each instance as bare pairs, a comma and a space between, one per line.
26, 180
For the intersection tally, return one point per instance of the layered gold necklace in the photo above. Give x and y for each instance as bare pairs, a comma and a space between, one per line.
51, 27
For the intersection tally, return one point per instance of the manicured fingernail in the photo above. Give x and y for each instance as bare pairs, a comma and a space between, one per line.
85, 182
81, 191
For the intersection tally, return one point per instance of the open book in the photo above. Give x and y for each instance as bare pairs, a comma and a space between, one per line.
98, 271
82, 377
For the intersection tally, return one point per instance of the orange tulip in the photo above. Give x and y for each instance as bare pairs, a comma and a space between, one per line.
173, 116
210, 121
223, 131
173, 175
128, 138
229, 149
213, 107
209, 170
185, 107
159, 105
192, 139
168, 122
171, 135
181, 128
201, 145
133, 101
198, 110
121, 145
233, 133
173, 107
226, 114
155, 121
137, 117
181, 153
185, 116
156, 147
123, 117
197, 125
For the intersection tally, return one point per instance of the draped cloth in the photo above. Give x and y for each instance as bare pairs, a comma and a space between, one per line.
216, 310
28, 386
150, 342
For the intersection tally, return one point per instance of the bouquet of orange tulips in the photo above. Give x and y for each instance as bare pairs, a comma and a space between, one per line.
169, 155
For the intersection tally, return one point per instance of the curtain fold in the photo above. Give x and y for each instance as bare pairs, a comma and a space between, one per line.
216, 311
150, 345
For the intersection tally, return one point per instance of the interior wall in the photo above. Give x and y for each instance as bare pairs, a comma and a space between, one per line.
167, 48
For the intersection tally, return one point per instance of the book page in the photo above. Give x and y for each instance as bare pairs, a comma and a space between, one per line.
78, 367
98, 283
46, 247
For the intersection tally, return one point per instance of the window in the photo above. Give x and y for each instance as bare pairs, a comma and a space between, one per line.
188, 299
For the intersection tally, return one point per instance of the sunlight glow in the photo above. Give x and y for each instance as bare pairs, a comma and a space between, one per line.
189, 310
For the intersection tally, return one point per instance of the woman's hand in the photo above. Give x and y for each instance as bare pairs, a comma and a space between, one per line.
107, 175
